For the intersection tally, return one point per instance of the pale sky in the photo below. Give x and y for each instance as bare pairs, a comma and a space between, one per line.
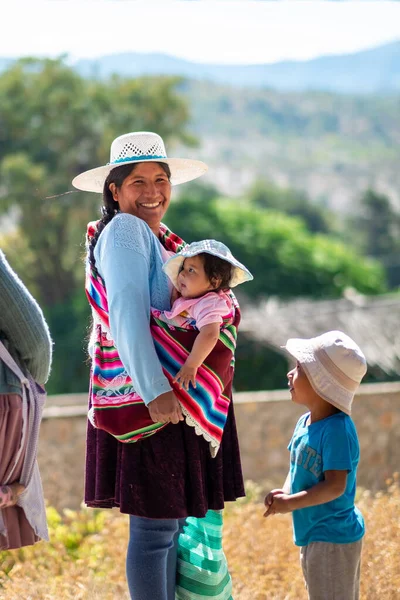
213, 31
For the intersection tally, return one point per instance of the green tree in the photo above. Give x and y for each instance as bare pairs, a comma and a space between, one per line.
378, 227
53, 125
293, 202
285, 258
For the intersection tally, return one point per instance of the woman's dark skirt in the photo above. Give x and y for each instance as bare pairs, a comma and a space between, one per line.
169, 475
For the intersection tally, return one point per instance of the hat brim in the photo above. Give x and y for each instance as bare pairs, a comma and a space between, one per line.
182, 170
320, 379
173, 266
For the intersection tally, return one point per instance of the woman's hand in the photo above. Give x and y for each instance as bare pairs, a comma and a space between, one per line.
165, 409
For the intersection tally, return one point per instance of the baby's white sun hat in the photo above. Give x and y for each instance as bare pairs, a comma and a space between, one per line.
334, 365
173, 265
136, 147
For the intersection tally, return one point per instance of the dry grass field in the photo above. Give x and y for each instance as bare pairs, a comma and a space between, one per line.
86, 554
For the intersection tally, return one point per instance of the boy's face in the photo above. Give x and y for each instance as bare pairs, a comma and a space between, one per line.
300, 388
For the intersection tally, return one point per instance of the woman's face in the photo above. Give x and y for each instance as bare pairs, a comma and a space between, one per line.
145, 193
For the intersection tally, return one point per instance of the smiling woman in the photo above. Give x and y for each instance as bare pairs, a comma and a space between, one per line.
155, 466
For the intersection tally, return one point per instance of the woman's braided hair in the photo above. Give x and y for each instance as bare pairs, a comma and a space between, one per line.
110, 207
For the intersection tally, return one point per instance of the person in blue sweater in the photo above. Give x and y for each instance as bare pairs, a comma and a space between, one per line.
171, 475
320, 487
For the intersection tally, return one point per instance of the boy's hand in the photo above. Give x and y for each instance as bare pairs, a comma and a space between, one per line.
185, 376
269, 497
280, 504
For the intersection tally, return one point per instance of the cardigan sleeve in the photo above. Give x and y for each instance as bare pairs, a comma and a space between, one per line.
23, 325
123, 255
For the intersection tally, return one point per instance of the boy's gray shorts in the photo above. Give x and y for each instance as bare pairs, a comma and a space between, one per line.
332, 571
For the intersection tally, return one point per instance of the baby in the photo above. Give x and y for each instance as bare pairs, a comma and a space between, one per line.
202, 273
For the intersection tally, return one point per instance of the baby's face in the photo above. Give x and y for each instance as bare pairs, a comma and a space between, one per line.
192, 279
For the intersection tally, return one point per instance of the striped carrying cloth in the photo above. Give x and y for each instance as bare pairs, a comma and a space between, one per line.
118, 409
202, 570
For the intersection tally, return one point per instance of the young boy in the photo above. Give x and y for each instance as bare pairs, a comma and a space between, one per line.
324, 452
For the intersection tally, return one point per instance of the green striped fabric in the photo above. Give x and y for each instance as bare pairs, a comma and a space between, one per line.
202, 570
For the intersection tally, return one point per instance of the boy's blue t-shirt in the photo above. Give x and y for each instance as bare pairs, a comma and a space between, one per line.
327, 445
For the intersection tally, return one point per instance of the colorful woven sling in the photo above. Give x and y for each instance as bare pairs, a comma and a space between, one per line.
118, 409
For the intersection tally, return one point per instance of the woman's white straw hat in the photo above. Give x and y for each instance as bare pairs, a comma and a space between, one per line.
173, 265
136, 147
334, 365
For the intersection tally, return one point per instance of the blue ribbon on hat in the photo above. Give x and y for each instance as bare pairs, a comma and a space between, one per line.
132, 158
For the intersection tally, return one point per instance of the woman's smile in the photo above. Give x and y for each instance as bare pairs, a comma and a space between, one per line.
148, 205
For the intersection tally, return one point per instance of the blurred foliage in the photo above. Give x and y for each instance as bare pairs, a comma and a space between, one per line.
53, 125
284, 256
292, 202
73, 537
330, 145
375, 231
258, 367
85, 557
361, 123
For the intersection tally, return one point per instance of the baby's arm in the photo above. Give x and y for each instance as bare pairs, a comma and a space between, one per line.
332, 487
203, 345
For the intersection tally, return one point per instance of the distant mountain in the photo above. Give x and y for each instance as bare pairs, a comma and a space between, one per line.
370, 71
331, 145
5, 63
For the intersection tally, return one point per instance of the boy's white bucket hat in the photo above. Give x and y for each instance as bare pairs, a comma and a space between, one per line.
173, 265
334, 365
139, 146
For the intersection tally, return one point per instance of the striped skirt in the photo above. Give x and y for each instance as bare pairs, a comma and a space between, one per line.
202, 570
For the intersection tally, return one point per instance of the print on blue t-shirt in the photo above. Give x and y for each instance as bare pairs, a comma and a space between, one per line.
329, 444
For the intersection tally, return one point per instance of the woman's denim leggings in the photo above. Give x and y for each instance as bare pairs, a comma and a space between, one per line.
152, 556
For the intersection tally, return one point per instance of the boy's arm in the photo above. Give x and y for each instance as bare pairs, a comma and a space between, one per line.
331, 488
203, 344
286, 485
